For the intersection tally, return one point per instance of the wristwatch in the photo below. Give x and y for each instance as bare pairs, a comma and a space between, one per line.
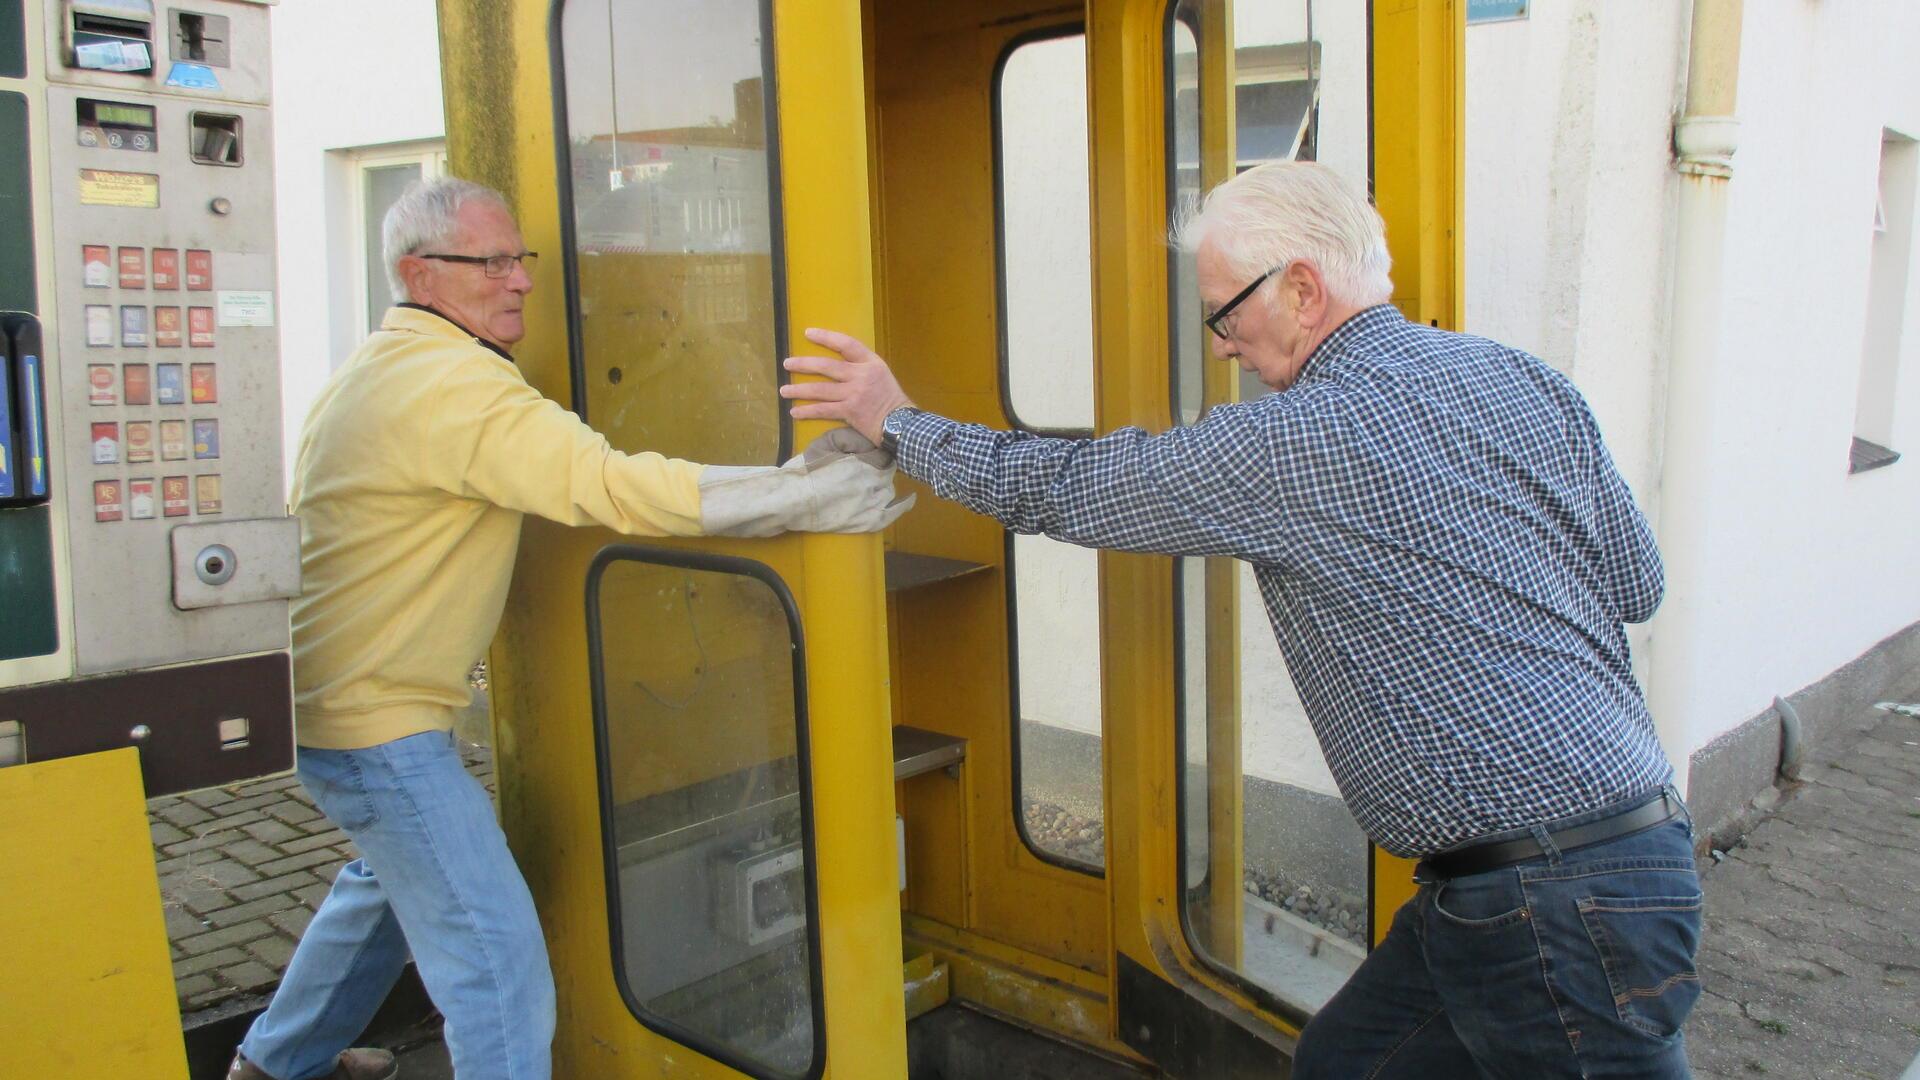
892, 426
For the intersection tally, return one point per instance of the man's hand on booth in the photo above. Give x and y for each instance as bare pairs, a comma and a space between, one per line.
859, 388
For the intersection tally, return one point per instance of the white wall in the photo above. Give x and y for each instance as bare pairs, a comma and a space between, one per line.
346, 74
1570, 207
1811, 566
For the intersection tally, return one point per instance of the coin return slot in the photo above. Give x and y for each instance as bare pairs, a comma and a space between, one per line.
216, 139
235, 733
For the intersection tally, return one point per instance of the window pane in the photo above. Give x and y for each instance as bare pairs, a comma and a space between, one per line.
694, 673
1047, 315
675, 247
1275, 868
1045, 235
1056, 607
381, 186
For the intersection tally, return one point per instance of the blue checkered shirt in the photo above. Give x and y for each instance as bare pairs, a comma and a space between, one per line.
1446, 552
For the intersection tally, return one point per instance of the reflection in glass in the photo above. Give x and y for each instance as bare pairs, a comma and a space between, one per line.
675, 250
1274, 868
710, 886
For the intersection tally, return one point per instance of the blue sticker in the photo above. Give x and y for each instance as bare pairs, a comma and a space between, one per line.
1495, 10
193, 77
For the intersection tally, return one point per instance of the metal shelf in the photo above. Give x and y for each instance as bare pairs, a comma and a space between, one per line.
909, 571
917, 750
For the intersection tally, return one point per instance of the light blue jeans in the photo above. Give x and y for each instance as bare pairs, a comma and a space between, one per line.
434, 874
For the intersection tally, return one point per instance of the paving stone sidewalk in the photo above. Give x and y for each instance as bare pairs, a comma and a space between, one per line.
1811, 953
241, 871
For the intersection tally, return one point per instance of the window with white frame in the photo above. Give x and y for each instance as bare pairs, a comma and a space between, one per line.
378, 176
1893, 214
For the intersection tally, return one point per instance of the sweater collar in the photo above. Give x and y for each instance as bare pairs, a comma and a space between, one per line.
421, 319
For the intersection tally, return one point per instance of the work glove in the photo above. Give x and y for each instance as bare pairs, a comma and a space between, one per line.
840, 483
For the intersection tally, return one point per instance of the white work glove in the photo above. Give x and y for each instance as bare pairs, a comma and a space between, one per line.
840, 483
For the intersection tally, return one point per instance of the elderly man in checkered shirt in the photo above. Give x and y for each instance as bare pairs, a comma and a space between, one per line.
1447, 555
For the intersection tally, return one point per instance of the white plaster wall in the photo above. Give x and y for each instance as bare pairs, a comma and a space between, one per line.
346, 74
1810, 566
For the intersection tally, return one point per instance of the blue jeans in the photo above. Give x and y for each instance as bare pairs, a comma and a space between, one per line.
1573, 964
435, 874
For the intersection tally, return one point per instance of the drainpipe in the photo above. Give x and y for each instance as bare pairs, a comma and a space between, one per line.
1704, 138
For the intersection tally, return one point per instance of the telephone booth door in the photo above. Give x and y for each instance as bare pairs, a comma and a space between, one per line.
1244, 895
692, 737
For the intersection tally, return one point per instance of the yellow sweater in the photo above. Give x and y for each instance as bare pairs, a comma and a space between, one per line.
415, 466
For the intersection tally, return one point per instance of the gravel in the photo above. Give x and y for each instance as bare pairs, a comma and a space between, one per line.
1077, 839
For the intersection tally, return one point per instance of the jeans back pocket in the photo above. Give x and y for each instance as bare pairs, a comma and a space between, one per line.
1647, 946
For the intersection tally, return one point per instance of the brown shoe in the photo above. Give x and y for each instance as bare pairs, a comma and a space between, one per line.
357, 1064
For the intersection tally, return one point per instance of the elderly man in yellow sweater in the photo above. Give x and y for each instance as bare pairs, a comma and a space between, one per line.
415, 467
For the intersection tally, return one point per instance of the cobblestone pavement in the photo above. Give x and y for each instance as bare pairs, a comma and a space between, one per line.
241, 871
1811, 952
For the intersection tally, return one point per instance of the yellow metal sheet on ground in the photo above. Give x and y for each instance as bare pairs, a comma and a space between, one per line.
89, 987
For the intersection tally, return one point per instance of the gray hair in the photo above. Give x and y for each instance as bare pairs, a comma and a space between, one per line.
1284, 211
426, 216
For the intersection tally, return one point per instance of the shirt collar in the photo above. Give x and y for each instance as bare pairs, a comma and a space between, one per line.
1360, 325
421, 319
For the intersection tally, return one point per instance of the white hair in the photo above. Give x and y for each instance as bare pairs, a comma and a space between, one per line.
424, 217
1285, 211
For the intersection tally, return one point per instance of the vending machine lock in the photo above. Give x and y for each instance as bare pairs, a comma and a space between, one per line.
215, 564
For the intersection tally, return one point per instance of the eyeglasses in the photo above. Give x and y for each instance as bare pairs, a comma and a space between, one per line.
497, 266
1216, 320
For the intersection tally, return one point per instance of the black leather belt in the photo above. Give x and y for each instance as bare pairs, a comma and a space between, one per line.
1659, 809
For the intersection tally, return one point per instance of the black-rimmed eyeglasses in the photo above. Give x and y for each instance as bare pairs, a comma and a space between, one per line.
1216, 321
496, 266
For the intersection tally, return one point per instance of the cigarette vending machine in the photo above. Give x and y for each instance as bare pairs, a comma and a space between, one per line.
146, 555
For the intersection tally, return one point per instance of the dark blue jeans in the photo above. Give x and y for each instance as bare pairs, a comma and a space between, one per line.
1574, 964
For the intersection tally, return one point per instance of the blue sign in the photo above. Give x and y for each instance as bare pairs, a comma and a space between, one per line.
1495, 10
193, 77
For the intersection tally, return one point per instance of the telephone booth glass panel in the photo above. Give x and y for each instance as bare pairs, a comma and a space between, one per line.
668, 172
705, 800
1046, 309
1293, 925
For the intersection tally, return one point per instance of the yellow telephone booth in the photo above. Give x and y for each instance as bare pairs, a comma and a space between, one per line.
777, 797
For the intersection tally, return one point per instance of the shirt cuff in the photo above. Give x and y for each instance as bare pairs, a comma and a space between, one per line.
921, 435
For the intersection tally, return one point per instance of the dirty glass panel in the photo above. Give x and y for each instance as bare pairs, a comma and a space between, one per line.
1047, 314
1275, 869
675, 250
707, 815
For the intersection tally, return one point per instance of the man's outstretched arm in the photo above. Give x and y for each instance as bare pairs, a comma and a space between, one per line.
1190, 491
